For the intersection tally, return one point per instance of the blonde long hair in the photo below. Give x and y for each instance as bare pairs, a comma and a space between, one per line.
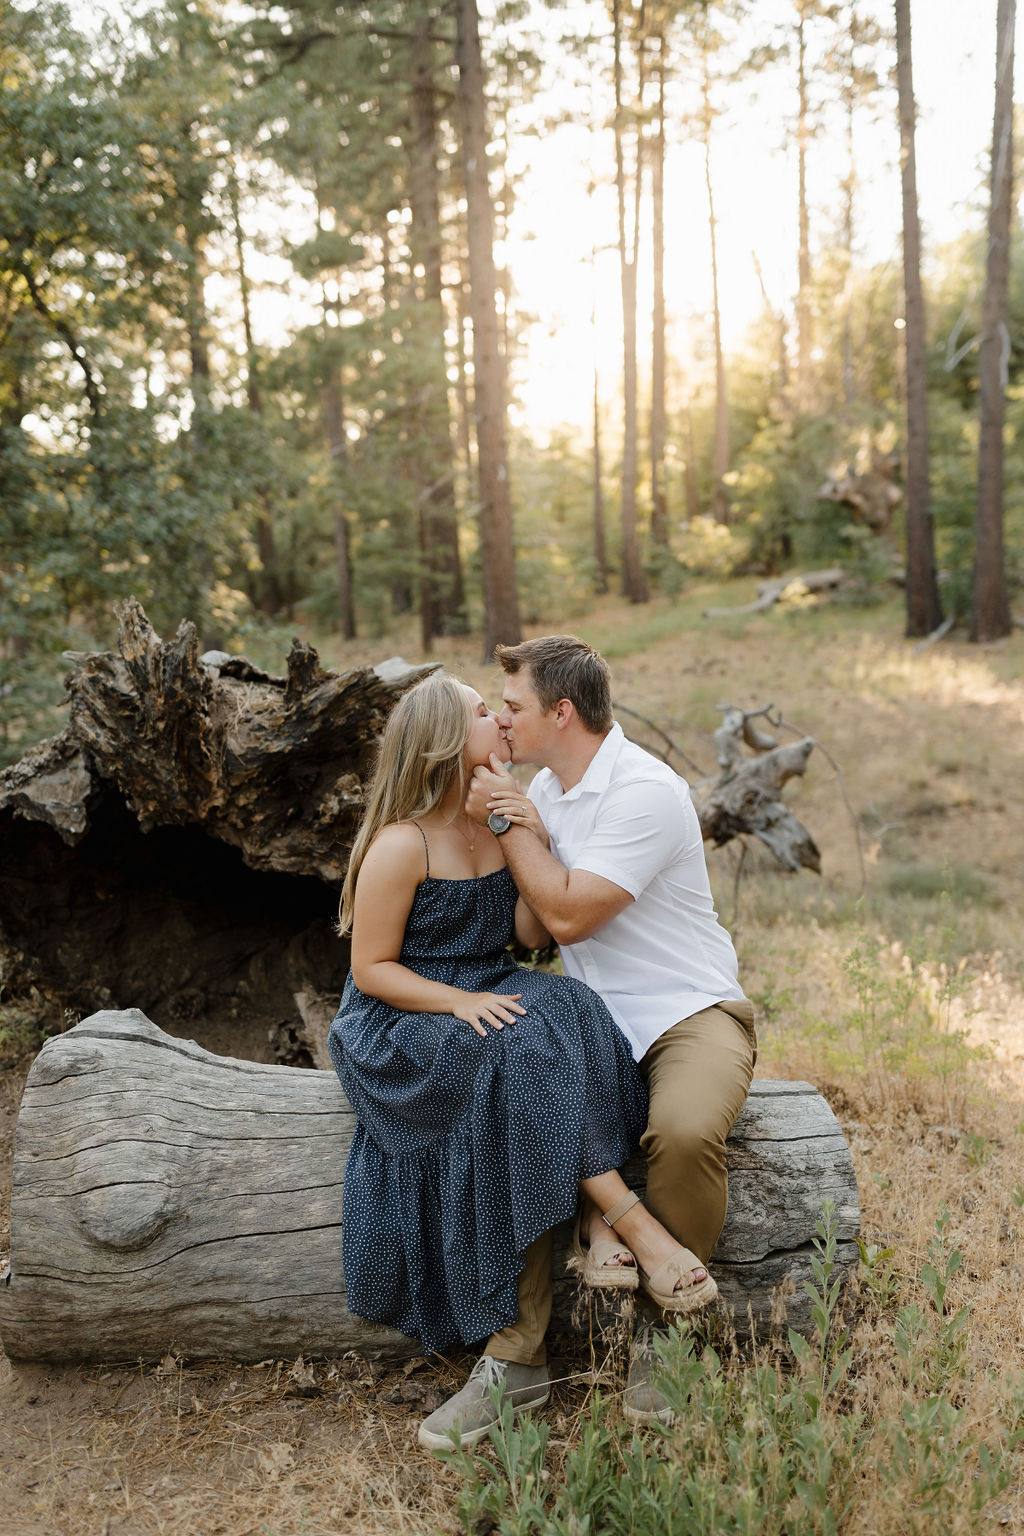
418, 761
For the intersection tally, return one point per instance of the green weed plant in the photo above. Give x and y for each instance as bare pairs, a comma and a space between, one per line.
765, 1445
897, 1040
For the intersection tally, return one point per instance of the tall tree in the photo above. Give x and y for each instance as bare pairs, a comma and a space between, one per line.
804, 342
990, 603
923, 609
442, 599
634, 582
659, 502
498, 574
720, 451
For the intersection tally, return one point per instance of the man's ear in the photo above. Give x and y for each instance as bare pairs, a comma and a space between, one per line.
565, 713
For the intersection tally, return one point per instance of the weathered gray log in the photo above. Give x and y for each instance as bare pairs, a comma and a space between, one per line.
777, 588
165, 1198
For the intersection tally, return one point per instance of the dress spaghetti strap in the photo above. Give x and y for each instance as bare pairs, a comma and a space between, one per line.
426, 846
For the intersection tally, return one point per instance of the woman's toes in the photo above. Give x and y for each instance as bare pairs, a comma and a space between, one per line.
697, 1276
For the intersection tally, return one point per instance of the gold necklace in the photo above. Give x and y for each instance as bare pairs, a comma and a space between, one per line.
472, 845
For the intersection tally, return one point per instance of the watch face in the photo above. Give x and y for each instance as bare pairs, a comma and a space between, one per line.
497, 823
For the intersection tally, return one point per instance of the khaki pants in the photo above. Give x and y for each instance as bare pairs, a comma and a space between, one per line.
698, 1074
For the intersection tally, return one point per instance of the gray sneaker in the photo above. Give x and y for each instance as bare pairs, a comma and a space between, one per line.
471, 1412
644, 1402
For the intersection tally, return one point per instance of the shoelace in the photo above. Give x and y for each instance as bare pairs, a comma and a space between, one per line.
643, 1341
489, 1371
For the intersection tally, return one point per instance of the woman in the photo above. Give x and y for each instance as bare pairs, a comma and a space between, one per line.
487, 1095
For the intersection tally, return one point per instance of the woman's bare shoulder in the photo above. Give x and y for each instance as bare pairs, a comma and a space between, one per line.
397, 848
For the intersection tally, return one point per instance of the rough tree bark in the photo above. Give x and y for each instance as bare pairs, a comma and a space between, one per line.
501, 603
634, 581
195, 816
990, 602
659, 500
924, 612
720, 451
442, 598
165, 1198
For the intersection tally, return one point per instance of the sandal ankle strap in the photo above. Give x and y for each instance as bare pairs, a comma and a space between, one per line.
619, 1209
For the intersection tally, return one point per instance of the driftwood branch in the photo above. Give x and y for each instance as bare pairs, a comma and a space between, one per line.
164, 1197
745, 796
813, 583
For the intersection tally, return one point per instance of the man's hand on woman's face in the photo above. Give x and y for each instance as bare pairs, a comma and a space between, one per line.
496, 790
484, 786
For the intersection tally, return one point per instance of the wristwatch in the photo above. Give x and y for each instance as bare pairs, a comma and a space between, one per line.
498, 823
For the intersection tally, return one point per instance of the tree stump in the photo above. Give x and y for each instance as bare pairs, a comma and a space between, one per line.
179, 846
166, 1198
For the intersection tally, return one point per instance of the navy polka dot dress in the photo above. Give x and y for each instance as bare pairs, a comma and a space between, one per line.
468, 1149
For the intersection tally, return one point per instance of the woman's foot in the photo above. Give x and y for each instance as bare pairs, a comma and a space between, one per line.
673, 1276
599, 1256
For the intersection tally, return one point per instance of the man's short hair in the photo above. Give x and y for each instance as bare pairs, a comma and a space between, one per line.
565, 667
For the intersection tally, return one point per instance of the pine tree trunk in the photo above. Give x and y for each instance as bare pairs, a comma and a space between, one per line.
659, 502
690, 476
634, 585
849, 189
803, 298
497, 554
990, 605
923, 609
269, 591
334, 424
441, 593
720, 454
600, 549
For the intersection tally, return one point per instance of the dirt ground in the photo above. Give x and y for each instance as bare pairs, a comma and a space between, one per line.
930, 745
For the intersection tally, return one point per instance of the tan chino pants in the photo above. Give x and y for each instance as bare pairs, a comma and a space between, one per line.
698, 1075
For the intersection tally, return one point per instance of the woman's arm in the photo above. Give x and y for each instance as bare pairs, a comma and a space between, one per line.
530, 931
385, 890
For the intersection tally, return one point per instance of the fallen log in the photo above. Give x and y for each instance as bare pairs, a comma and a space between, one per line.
168, 1199
810, 583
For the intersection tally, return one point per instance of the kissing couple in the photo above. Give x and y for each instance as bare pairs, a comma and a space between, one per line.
494, 1101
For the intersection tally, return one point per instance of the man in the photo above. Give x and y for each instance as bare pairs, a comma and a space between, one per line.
623, 888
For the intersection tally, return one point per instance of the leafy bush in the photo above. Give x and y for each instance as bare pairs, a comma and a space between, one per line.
780, 1449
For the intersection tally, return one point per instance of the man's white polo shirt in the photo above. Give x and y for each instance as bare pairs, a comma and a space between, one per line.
631, 820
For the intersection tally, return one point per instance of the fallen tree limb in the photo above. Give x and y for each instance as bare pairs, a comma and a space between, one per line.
745, 796
769, 593
166, 1198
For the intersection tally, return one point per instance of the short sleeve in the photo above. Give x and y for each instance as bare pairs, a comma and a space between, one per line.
640, 829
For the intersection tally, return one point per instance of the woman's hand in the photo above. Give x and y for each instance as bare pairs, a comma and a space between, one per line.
519, 809
497, 1008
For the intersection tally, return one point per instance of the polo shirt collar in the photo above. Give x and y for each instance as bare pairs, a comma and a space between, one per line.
599, 772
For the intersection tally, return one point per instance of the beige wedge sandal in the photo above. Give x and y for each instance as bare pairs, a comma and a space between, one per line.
593, 1266
660, 1285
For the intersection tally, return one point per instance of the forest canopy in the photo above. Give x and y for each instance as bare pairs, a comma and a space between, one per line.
264, 361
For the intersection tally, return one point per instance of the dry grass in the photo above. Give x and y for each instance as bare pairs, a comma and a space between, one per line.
930, 747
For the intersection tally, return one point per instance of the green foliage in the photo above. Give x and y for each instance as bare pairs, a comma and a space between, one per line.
757, 1447
962, 883
712, 549
898, 1033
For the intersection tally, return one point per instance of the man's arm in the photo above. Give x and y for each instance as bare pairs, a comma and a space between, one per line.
571, 904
